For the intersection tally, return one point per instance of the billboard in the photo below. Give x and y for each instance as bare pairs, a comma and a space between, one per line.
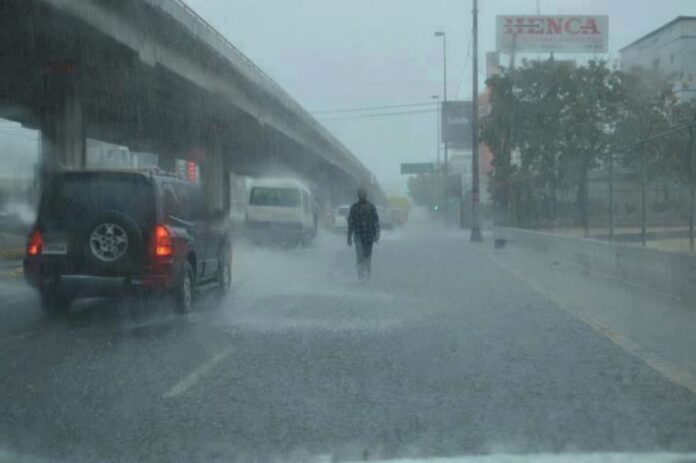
558, 34
456, 123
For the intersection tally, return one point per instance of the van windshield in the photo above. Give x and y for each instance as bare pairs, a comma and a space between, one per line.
278, 197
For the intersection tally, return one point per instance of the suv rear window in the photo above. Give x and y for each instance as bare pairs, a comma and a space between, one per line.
76, 198
279, 197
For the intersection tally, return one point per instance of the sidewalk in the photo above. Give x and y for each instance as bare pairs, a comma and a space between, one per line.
655, 327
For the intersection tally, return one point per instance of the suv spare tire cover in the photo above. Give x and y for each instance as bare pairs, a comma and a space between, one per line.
113, 241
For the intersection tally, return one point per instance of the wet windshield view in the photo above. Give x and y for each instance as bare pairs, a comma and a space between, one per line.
345, 231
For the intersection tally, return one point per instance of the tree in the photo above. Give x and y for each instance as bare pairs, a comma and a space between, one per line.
543, 90
561, 119
426, 190
647, 107
588, 125
498, 132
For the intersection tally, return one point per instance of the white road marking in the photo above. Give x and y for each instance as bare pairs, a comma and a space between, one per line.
195, 376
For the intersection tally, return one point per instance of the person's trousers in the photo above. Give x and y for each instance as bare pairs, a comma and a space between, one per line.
363, 254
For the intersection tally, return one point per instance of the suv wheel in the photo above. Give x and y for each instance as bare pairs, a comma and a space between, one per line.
184, 290
113, 241
54, 302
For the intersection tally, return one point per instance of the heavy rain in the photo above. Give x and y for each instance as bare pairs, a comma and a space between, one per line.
324, 231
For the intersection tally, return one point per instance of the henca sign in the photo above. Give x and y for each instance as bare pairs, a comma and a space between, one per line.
560, 34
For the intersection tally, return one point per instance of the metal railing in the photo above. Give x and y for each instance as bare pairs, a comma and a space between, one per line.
641, 147
643, 192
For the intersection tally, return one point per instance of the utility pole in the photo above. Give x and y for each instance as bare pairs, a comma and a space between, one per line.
692, 190
444, 92
439, 130
475, 197
444, 124
611, 196
643, 196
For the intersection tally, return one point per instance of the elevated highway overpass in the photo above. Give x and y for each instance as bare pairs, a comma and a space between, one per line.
154, 76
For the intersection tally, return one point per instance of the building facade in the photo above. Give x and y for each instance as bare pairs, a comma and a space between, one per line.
671, 50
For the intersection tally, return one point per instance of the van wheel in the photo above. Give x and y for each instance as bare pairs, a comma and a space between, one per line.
54, 302
183, 293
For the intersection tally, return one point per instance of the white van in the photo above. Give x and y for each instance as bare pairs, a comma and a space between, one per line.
340, 223
280, 210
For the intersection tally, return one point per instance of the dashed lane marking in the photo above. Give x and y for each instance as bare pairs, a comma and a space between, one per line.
195, 376
669, 370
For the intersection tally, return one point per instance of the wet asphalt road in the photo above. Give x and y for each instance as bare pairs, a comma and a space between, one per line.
443, 353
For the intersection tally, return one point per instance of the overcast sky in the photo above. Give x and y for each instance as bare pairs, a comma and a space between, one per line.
333, 54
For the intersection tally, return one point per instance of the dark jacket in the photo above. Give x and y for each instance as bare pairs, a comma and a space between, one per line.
363, 222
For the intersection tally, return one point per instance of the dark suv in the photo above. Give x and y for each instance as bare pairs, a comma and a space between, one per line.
111, 233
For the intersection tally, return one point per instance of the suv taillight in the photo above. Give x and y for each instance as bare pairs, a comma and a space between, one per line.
35, 243
164, 247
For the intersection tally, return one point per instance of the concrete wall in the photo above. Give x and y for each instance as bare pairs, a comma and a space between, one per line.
667, 272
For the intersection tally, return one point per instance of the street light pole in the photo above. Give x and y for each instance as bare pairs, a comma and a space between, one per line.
444, 89
439, 129
475, 221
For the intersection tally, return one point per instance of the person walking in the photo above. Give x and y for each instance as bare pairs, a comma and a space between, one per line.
364, 230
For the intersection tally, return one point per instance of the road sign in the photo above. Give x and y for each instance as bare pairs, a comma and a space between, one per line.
559, 34
414, 168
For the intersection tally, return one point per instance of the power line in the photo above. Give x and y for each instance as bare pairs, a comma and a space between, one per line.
372, 108
390, 114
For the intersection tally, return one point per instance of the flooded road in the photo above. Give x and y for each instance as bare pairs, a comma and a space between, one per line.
442, 353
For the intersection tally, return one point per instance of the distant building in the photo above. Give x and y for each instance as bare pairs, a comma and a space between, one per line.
102, 155
460, 164
671, 50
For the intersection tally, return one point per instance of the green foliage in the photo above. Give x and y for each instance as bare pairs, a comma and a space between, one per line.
426, 190
560, 121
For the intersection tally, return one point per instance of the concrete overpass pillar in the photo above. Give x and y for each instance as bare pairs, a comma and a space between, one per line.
63, 142
215, 177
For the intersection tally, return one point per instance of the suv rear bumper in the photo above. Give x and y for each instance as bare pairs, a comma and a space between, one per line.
85, 285
89, 285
